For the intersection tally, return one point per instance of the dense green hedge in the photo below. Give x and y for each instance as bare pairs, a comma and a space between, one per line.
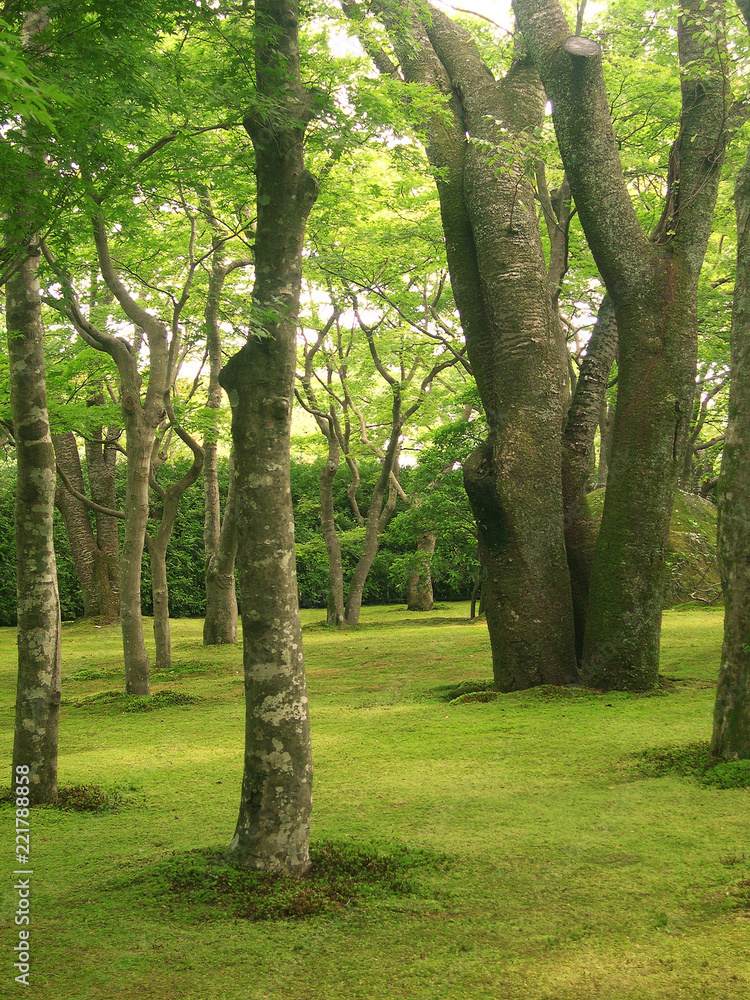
185, 557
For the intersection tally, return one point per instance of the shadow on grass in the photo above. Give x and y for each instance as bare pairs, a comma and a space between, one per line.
691, 760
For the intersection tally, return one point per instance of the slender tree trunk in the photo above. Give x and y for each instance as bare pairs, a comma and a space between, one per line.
419, 588
38, 692
220, 540
335, 603
272, 830
139, 444
374, 520
160, 597
220, 624
89, 561
101, 459
731, 731
159, 543
578, 452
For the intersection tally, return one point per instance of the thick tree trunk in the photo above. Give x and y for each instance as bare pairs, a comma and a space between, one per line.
652, 284
335, 602
500, 283
38, 692
731, 731
272, 830
89, 561
419, 587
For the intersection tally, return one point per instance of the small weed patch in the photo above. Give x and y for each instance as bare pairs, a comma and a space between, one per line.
457, 692
692, 760
340, 875
137, 703
76, 798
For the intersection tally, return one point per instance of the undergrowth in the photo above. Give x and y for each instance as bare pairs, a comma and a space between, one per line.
208, 884
137, 703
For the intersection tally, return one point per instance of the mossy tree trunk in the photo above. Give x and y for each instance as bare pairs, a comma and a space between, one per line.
731, 731
272, 832
652, 283
38, 691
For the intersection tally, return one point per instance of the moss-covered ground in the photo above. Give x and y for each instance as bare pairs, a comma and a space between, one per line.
520, 847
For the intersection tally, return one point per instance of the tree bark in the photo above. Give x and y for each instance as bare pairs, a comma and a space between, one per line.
606, 427
731, 729
501, 287
578, 450
272, 830
419, 587
89, 561
652, 284
38, 691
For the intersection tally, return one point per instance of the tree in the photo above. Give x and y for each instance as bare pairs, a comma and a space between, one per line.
272, 830
100, 600
500, 284
38, 693
731, 730
652, 283
220, 537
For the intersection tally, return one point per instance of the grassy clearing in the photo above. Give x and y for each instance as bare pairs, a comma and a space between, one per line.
467, 849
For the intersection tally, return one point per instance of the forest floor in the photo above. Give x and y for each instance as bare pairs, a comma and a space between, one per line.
515, 848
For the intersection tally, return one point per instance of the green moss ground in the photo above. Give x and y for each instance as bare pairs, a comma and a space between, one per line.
551, 869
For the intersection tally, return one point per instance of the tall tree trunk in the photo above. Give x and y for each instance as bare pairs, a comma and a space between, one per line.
220, 540
272, 830
500, 283
89, 561
419, 588
731, 731
38, 692
653, 285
